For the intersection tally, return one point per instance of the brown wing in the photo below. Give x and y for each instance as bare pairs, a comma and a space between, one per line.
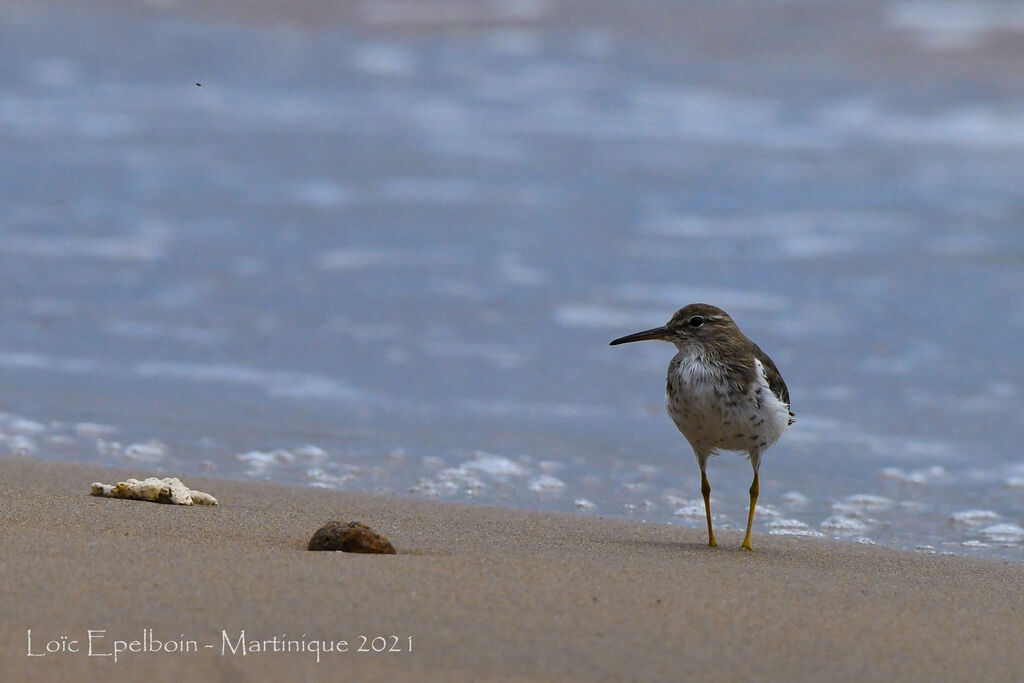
774, 377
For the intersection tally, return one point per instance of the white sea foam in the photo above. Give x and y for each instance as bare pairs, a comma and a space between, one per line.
635, 486
647, 471
147, 452
328, 480
454, 479
785, 523
434, 489
260, 461
584, 504
791, 527
92, 429
861, 505
868, 500
475, 475
24, 426
843, 526
693, 509
795, 500
19, 444
917, 477
546, 484
1003, 533
310, 453
495, 466
104, 447
973, 517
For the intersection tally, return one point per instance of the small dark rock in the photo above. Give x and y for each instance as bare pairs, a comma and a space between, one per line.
350, 537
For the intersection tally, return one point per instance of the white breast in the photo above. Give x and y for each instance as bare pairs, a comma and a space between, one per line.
712, 420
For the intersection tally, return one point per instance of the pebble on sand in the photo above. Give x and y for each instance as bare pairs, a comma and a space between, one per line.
350, 537
168, 490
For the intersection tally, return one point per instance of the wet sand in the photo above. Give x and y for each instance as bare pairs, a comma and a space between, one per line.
484, 593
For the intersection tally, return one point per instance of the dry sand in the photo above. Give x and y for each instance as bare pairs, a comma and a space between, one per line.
485, 593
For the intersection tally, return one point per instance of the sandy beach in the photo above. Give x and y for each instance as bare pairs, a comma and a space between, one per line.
483, 594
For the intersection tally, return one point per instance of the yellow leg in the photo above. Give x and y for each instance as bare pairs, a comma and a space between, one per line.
750, 517
705, 489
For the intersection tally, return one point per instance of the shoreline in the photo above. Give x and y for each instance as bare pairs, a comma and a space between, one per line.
484, 593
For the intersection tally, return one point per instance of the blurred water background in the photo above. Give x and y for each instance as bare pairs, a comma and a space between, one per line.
382, 246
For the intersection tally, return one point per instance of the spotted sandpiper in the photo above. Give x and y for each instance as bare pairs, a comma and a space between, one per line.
723, 392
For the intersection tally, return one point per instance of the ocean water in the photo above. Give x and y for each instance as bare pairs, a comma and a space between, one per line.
385, 251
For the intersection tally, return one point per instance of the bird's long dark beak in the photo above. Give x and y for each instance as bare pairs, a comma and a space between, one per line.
655, 333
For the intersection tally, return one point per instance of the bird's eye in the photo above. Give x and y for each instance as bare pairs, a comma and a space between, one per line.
696, 321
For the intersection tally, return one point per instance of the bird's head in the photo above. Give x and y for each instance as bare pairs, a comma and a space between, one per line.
692, 325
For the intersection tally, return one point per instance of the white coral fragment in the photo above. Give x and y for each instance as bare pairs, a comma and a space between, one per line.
202, 498
167, 490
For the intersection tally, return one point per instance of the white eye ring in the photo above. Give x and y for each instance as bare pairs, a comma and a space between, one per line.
696, 321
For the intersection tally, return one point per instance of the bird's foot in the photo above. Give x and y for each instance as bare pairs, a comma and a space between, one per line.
746, 546
712, 543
